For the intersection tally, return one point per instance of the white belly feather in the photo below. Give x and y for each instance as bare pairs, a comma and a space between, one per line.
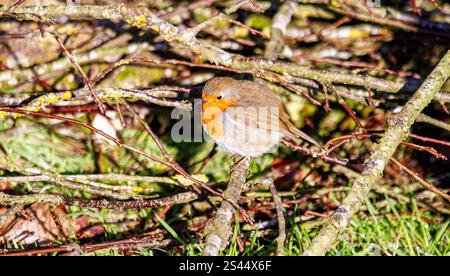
246, 139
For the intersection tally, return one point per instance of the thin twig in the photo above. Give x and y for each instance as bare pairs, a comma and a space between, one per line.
150, 131
424, 183
314, 153
86, 79
434, 122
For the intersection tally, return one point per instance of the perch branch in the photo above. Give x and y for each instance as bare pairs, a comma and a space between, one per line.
217, 229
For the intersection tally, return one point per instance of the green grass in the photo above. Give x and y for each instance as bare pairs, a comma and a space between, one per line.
398, 230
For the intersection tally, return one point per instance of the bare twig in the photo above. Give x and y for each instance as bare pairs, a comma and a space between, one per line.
86, 79
150, 131
314, 153
429, 120
424, 183
116, 205
11, 212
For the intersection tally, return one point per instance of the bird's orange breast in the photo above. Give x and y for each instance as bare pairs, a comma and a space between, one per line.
212, 108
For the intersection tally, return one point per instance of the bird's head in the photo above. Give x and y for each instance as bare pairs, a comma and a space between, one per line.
220, 93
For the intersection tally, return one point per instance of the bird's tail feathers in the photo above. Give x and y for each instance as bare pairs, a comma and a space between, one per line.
296, 135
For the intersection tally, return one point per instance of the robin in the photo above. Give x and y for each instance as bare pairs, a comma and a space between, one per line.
246, 118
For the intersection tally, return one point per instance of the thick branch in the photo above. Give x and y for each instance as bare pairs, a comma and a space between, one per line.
398, 128
218, 228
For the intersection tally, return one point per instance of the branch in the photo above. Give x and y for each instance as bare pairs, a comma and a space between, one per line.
86, 79
279, 25
422, 182
383, 15
314, 153
398, 128
429, 120
280, 219
143, 18
217, 229
102, 54
180, 198
157, 96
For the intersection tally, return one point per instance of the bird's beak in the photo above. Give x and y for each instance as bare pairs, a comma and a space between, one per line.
206, 98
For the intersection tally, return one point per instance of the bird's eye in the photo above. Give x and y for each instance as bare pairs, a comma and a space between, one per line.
219, 97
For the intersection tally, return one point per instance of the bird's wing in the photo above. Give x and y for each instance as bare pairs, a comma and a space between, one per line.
260, 108
266, 110
292, 132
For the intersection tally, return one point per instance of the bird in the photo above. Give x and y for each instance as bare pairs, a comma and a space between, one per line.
246, 118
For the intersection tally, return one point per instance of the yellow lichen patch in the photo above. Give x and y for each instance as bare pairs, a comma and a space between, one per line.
122, 62
137, 189
66, 95
358, 34
45, 100
17, 115
201, 177
335, 4
111, 94
384, 31
154, 28
172, 34
3, 115
73, 28
240, 32
138, 21
50, 99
